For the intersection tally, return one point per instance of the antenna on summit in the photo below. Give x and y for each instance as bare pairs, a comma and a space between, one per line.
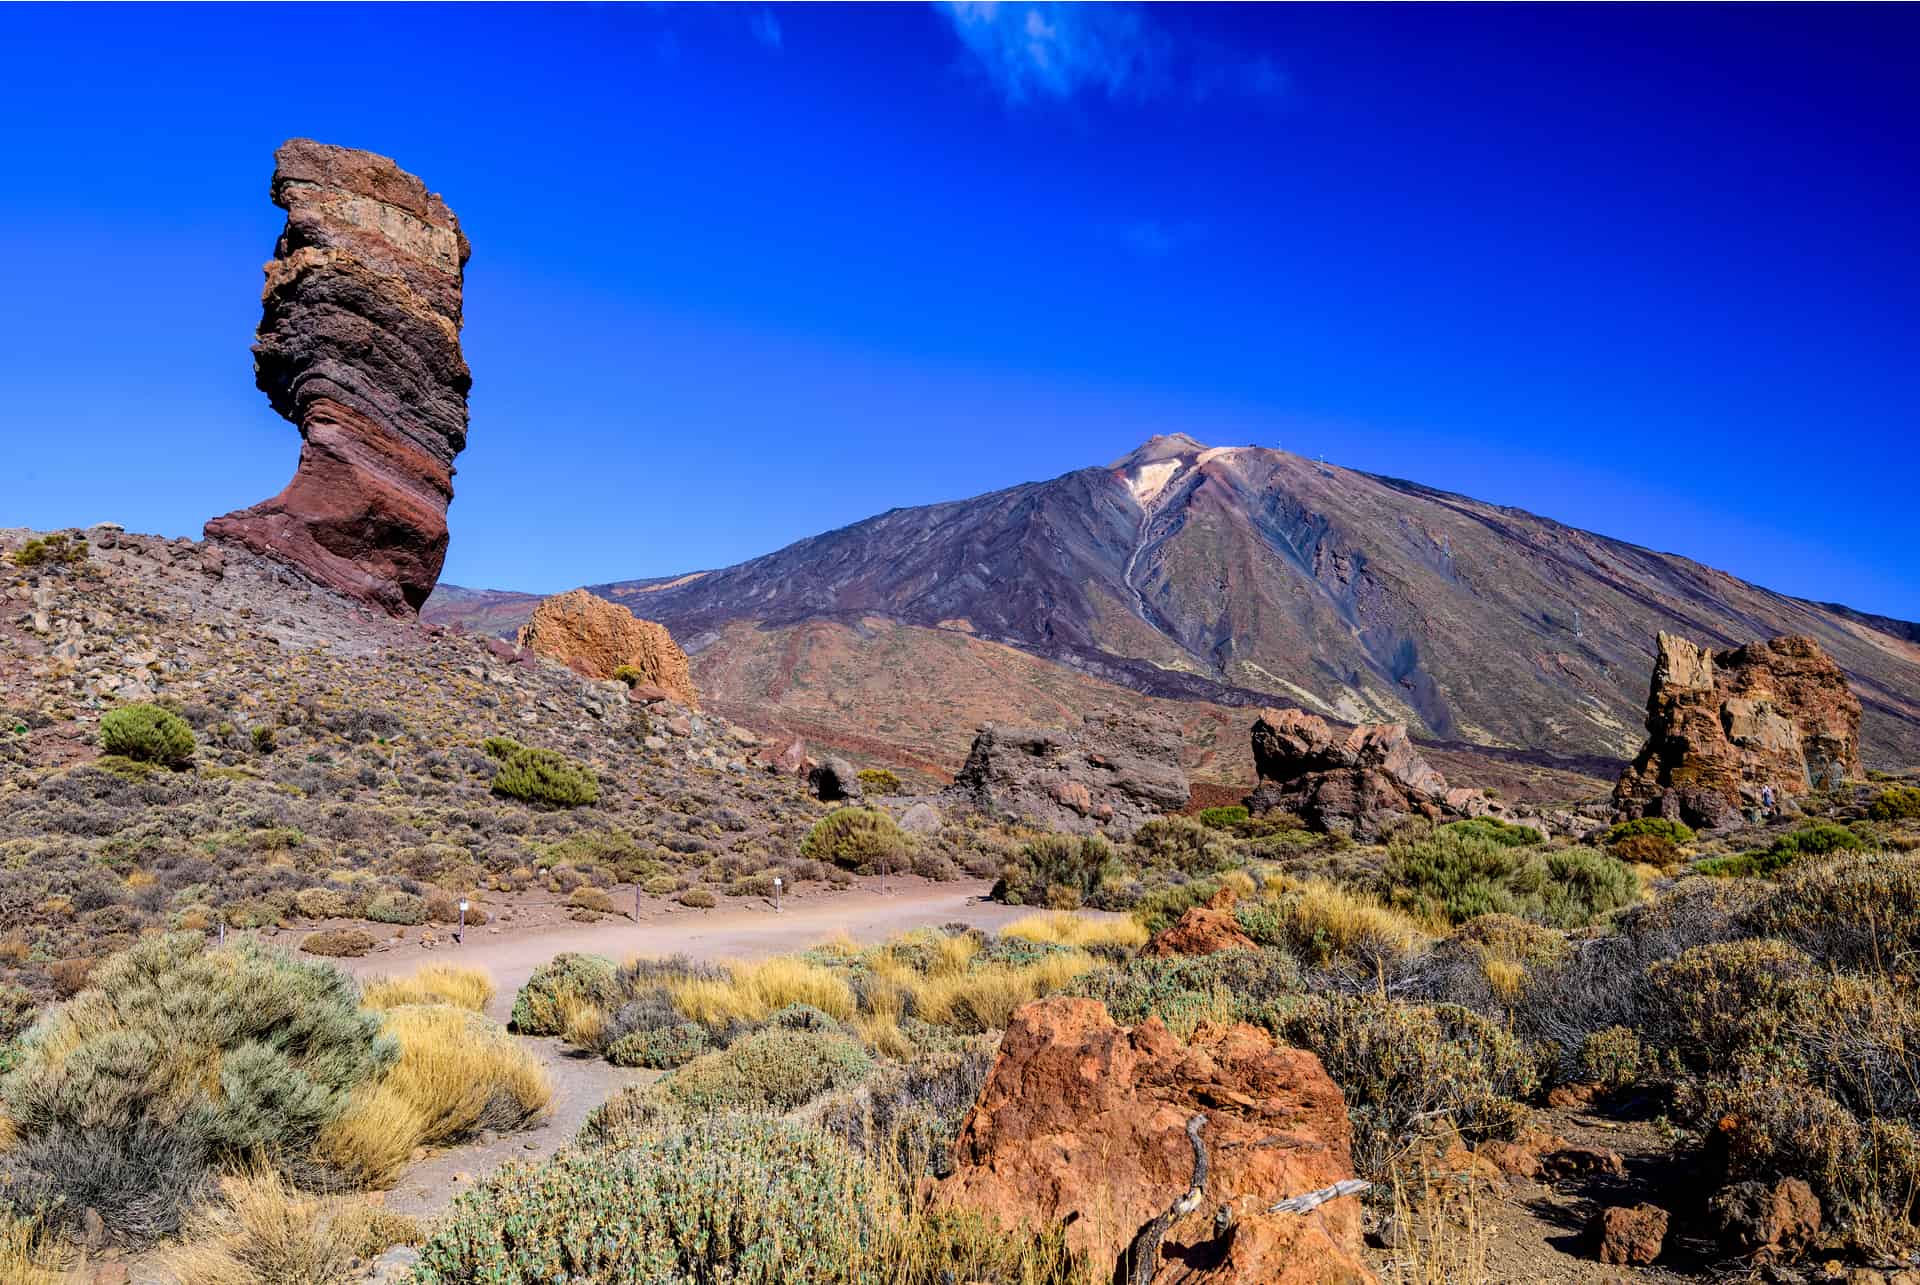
1324, 470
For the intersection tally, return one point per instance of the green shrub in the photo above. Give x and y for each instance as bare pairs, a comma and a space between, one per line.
1822, 839
878, 780
863, 840
736, 1199
201, 1053
1508, 834
631, 675
147, 734
540, 776
1900, 803
57, 549
662, 1048
1183, 844
1229, 817
1161, 909
698, 899
537, 1008
1659, 827
661, 885
337, 943
1077, 863
1614, 1057
1184, 991
1460, 875
773, 1069
397, 908
1408, 1070
1645, 849
323, 903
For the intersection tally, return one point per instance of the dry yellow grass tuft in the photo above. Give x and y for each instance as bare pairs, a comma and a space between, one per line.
262, 1232
468, 988
1339, 922
582, 1021
984, 999
458, 1073
29, 1254
1061, 928
1505, 976
750, 992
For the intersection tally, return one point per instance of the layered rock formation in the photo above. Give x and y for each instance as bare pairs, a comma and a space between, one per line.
1113, 775
1722, 726
1083, 1123
359, 345
597, 639
1359, 783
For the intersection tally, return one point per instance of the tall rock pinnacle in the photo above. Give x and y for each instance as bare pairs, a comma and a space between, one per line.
359, 345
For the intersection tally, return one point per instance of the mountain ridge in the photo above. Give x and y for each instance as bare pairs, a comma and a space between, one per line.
1244, 575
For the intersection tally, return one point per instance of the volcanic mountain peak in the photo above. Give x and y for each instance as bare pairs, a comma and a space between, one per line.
1247, 575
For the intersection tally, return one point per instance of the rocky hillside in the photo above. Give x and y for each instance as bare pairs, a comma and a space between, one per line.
1239, 576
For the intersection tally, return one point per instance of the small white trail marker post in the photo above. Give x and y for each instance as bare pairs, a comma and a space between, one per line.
778, 884
460, 933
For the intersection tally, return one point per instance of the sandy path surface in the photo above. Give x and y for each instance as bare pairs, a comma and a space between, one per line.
581, 1084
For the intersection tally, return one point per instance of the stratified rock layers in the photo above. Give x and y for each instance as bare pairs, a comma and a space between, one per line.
359, 345
597, 639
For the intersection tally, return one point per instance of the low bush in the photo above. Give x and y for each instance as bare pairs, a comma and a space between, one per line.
909, 1113
1658, 827
337, 943
1818, 840
773, 1070
539, 1008
1408, 1070
176, 1056
1183, 844
749, 1201
1324, 924
57, 549
397, 908
698, 899
661, 1048
1715, 1007
749, 993
1508, 834
539, 776
863, 840
1459, 875
1898, 803
878, 780
1856, 912
1061, 929
260, 1231
1079, 864
147, 734
322, 903
1186, 991
1228, 817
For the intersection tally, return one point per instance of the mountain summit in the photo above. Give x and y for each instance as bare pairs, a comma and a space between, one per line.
1244, 574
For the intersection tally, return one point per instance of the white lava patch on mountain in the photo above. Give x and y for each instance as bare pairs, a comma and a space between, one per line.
1152, 479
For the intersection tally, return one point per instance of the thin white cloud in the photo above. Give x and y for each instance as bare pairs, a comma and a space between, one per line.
766, 29
1042, 50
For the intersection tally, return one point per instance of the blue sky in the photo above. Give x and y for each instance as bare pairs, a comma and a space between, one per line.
744, 274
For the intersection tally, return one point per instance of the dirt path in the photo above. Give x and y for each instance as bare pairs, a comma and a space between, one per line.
581, 1084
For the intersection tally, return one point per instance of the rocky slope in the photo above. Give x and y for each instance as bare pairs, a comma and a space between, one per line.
1244, 577
359, 345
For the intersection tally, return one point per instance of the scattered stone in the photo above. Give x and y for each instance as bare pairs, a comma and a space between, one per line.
1766, 1220
921, 818
359, 345
1572, 1161
1722, 726
1083, 1122
1112, 775
1630, 1235
1203, 930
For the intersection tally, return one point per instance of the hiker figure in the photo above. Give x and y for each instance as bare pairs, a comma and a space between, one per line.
1766, 801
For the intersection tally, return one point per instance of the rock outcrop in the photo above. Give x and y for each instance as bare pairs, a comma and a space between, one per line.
1722, 726
359, 345
1202, 930
1113, 775
1083, 1123
1358, 783
597, 639
834, 780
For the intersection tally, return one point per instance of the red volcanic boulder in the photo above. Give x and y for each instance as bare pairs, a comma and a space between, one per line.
1766, 1221
359, 344
1083, 1123
1358, 782
597, 638
1203, 930
1630, 1235
1722, 726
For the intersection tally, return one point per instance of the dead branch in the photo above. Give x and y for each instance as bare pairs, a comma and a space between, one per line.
1143, 1256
